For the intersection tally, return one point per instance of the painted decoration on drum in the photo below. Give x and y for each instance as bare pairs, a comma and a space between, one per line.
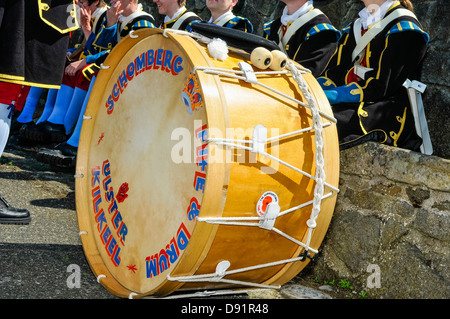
191, 96
113, 238
264, 200
157, 263
201, 160
154, 59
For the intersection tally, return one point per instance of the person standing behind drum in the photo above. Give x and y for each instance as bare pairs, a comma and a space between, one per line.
222, 14
92, 10
176, 16
305, 34
364, 82
33, 40
122, 17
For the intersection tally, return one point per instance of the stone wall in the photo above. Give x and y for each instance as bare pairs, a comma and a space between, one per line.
393, 216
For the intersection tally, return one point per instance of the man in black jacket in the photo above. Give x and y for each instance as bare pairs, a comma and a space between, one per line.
33, 42
305, 34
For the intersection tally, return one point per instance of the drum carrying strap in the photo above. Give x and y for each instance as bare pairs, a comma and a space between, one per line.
125, 20
415, 90
225, 18
359, 70
180, 21
297, 24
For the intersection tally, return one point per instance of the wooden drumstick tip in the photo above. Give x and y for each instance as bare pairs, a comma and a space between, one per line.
261, 58
279, 60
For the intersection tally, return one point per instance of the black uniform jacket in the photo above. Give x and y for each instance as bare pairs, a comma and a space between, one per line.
312, 45
392, 56
34, 37
239, 23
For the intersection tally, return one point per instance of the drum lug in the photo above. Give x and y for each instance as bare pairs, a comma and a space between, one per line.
271, 214
221, 269
259, 138
248, 72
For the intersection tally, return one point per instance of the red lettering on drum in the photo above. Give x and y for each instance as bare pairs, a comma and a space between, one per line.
160, 262
201, 152
199, 181
95, 175
101, 220
111, 227
131, 68
159, 59
177, 65
193, 209
201, 159
140, 64
97, 199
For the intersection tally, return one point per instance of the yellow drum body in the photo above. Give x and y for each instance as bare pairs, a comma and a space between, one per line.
152, 170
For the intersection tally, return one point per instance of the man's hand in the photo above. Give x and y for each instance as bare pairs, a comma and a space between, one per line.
113, 13
74, 67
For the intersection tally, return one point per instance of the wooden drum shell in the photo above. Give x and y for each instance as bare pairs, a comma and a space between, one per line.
231, 109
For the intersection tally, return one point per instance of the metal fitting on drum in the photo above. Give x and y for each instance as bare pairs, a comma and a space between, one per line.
272, 212
221, 269
248, 72
259, 138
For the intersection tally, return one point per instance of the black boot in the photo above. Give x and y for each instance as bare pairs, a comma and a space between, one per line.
11, 215
44, 132
63, 155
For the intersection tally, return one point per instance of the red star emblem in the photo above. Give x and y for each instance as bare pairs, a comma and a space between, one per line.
132, 268
101, 138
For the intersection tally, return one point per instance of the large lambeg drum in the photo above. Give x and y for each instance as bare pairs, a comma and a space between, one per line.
191, 177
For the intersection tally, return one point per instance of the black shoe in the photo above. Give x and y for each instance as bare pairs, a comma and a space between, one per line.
63, 155
44, 132
16, 126
11, 215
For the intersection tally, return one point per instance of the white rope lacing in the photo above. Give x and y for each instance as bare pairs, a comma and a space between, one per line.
267, 221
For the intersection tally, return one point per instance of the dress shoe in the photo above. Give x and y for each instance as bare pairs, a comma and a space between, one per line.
11, 215
44, 132
63, 155
16, 125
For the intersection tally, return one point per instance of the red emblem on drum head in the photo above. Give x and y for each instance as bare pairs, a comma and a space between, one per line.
101, 138
132, 268
122, 192
264, 200
191, 96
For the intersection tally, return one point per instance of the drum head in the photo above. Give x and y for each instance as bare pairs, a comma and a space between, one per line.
134, 196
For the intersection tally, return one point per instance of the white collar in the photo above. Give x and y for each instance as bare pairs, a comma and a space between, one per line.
176, 15
226, 14
368, 19
286, 18
98, 12
123, 18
